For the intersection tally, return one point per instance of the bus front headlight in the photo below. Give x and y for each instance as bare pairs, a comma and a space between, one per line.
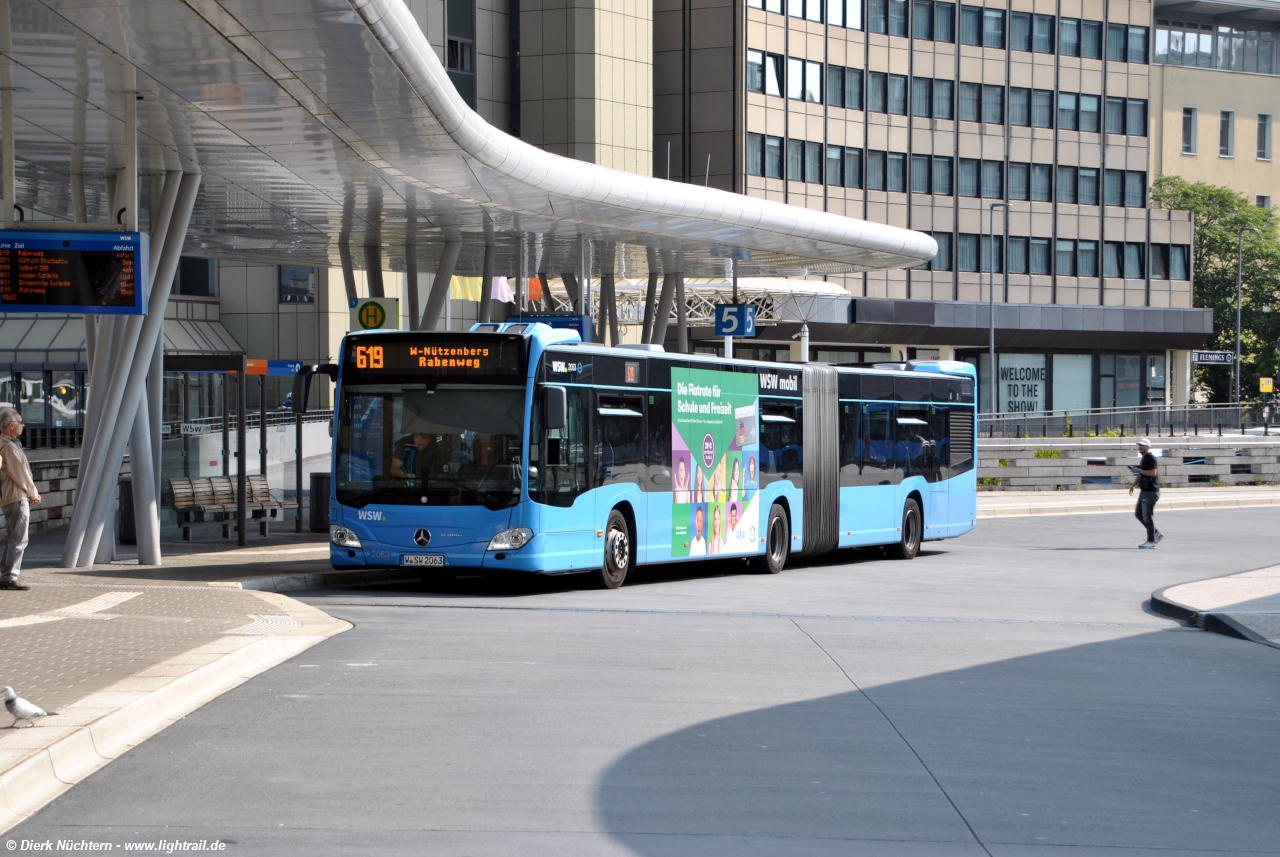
342, 537
509, 540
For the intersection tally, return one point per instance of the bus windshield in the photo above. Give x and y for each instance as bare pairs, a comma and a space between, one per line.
455, 445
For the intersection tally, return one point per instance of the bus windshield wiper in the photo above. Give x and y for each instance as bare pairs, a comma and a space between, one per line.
491, 501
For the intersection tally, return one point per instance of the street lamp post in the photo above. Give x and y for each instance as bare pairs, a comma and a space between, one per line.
991, 297
1239, 287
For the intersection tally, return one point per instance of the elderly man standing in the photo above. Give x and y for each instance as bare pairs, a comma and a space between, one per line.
18, 495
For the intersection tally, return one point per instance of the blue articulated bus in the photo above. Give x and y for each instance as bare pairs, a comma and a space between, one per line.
517, 447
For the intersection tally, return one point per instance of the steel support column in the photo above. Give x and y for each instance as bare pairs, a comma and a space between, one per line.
486, 282
440, 287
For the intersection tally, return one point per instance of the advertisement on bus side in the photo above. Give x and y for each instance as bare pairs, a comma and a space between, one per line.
715, 452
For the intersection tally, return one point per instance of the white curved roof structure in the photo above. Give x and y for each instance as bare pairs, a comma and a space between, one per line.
316, 122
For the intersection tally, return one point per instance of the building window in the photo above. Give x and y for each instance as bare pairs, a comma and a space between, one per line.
1039, 262
1112, 259
993, 104
1017, 255
795, 79
1019, 181
1227, 134
1041, 182
1262, 201
755, 154
835, 166
196, 278
835, 85
1042, 108
1135, 124
813, 163
877, 83
1133, 261
1090, 115
897, 172
1020, 107
971, 102
1264, 136
853, 88
1179, 262
795, 160
835, 13
898, 94
942, 261
1115, 115
970, 170
1113, 187
1086, 258
875, 170
755, 71
461, 55
922, 97
773, 157
1068, 111
1042, 34
991, 254
1091, 40
943, 93
1069, 37
967, 253
944, 25
1159, 261
1029, 32
297, 285
993, 179
1126, 44
922, 20
1189, 125
1135, 189
1067, 185
1020, 31
764, 73
942, 177
921, 173
1087, 185
1065, 258
971, 27
853, 168
993, 28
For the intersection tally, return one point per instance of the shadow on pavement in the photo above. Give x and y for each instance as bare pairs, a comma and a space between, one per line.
1161, 741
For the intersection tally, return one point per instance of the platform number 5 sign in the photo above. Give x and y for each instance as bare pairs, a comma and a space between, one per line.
736, 320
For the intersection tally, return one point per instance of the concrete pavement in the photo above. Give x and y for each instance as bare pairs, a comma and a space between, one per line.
1005, 693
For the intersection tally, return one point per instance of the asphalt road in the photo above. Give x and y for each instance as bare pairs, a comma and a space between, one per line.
1007, 693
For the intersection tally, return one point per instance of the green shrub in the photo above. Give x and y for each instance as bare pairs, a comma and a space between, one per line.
990, 481
1048, 453
1004, 462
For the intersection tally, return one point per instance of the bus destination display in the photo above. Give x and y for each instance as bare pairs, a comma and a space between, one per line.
73, 272
472, 357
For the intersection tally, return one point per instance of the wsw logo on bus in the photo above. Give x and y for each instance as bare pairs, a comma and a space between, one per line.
370, 515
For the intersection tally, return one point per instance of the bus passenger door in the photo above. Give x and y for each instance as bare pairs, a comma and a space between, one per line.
654, 537
619, 457
938, 518
875, 511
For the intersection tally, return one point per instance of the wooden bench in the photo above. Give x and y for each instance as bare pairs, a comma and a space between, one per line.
213, 498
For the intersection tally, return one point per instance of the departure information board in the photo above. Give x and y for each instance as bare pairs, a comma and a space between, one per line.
73, 272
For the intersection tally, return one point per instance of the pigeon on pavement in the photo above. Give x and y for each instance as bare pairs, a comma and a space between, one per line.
21, 709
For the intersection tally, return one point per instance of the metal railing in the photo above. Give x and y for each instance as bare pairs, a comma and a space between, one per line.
251, 422
1150, 420
52, 437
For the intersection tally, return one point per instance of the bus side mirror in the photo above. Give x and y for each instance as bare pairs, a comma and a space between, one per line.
302, 384
555, 401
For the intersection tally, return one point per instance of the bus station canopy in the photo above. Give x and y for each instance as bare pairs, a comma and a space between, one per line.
322, 123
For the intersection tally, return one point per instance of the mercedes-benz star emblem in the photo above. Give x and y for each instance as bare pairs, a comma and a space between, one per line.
422, 537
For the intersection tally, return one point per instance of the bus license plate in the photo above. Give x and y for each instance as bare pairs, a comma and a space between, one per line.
421, 559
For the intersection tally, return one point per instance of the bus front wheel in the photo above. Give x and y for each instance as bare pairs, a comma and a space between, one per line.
619, 556
909, 543
777, 544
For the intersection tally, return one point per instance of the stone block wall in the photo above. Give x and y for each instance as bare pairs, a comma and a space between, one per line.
1101, 463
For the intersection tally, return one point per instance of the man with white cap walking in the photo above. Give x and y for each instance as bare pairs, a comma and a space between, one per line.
1147, 482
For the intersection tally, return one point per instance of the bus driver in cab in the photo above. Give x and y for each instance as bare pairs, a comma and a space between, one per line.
414, 456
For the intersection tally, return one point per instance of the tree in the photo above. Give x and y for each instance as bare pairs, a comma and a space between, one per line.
1219, 213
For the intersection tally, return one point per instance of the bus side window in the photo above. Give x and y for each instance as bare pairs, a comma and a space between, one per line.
620, 439
878, 452
560, 461
781, 436
850, 443
940, 426
911, 450
658, 454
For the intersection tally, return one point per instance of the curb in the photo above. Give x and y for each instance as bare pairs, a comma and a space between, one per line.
1217, 623
1124, 506
109, 729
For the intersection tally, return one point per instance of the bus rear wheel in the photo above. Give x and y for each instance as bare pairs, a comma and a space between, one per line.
777, 542
619, 557
909, 543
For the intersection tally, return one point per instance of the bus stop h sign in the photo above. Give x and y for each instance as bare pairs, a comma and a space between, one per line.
736, 320
375, 313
